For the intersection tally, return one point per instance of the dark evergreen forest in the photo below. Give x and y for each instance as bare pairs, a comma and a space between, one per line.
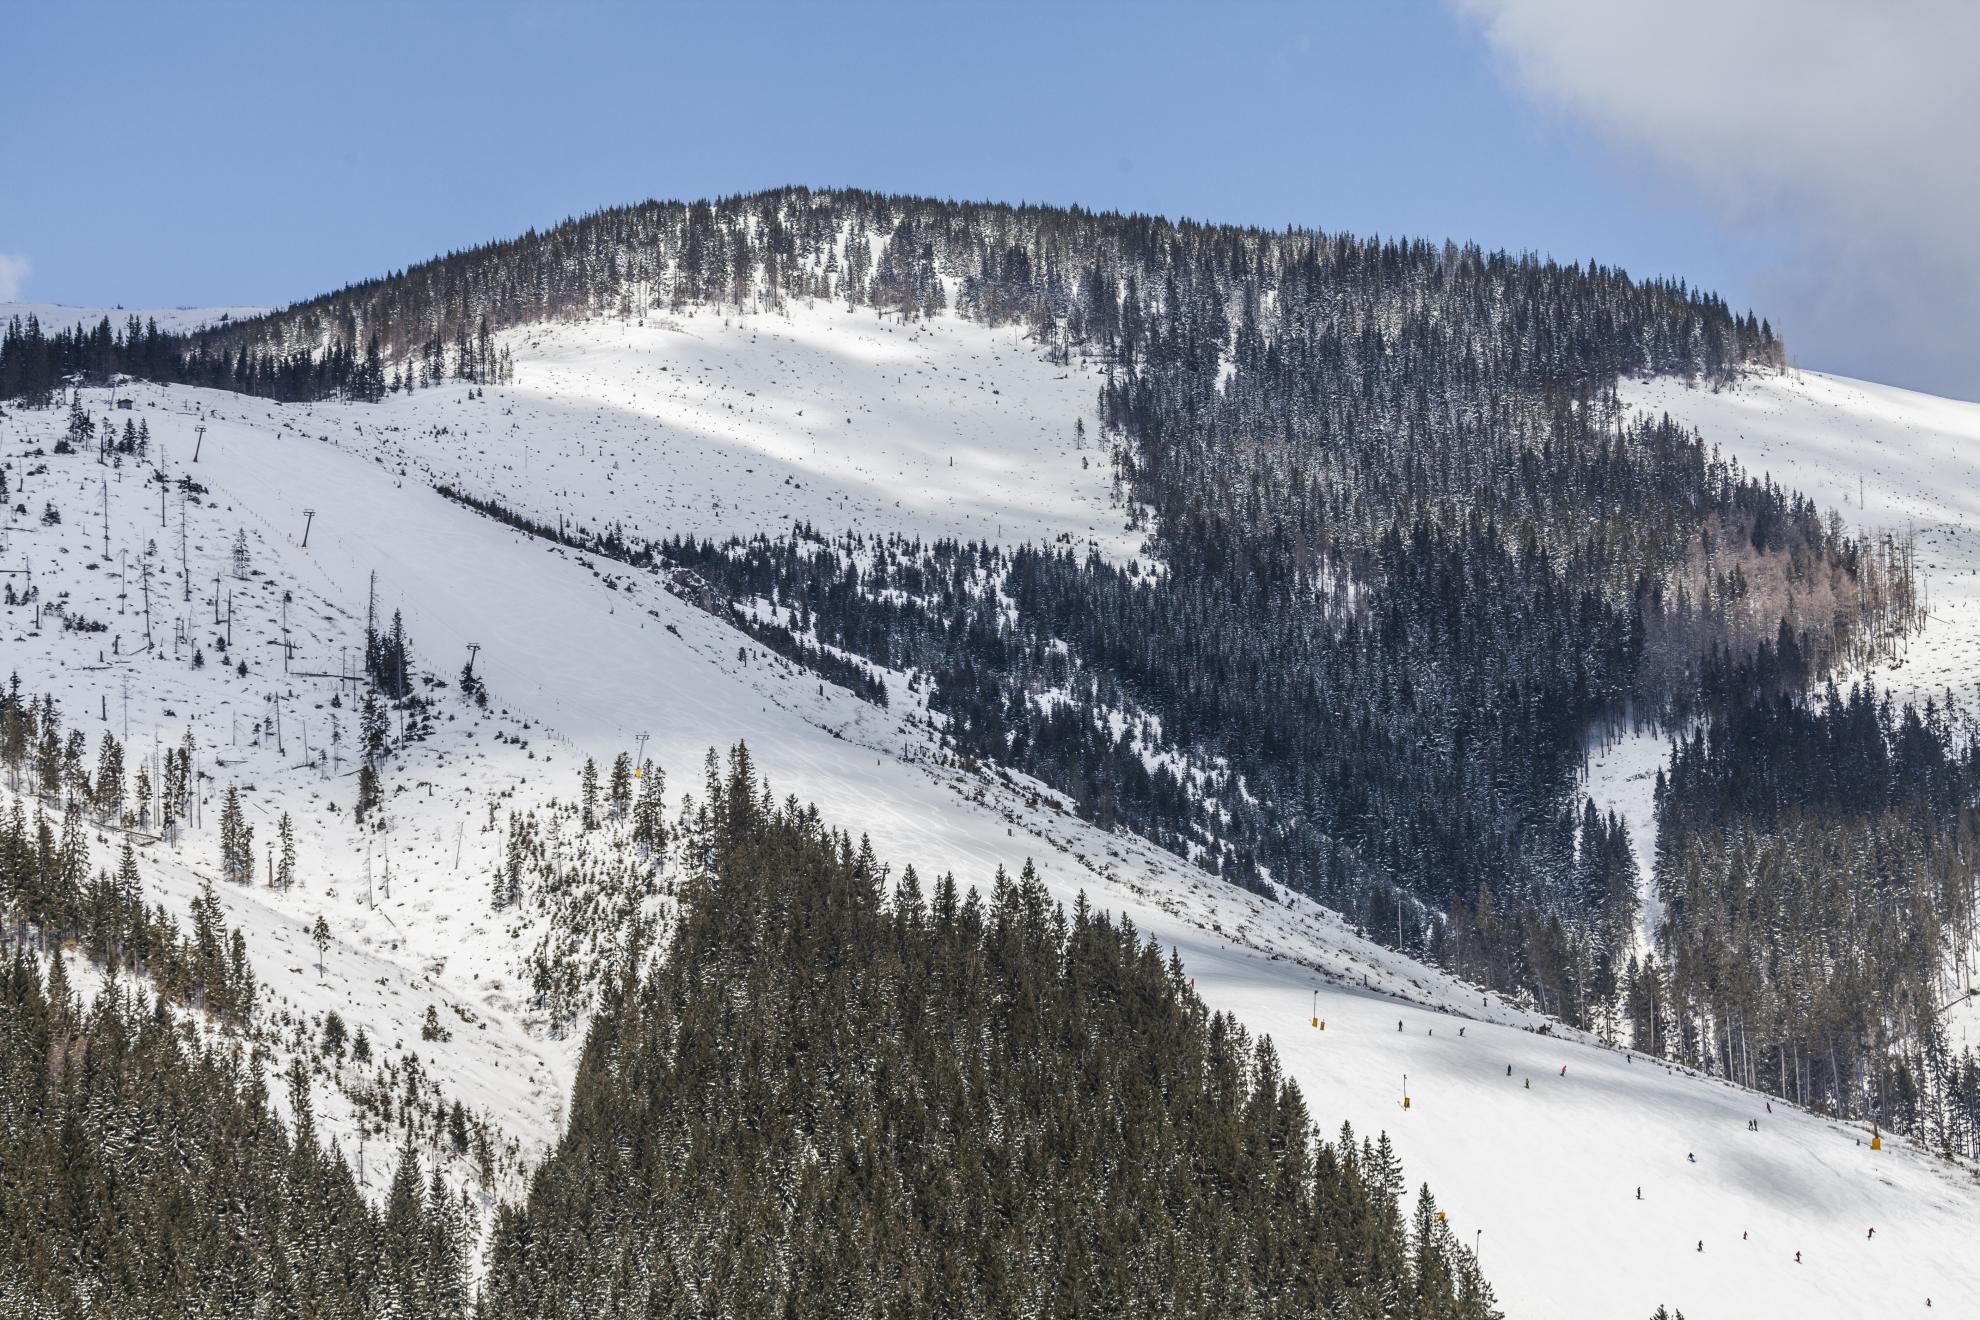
143, 1173
837, 1096
1816, 860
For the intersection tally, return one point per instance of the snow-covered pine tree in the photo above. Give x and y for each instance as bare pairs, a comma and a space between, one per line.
141, 796
109, 784
285, 865
373, 727
368, 794
649, 822
236, 840
619, 785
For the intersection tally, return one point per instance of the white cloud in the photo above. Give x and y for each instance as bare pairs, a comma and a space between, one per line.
1851, 130
13, 275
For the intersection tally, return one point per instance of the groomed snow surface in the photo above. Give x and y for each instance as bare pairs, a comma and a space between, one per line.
582, 658
719, 426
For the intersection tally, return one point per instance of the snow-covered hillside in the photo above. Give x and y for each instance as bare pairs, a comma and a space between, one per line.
854, 423
1884, 458
712, 425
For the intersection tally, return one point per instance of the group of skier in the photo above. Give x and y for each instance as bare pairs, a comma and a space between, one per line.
1691, 1157
1752, 1125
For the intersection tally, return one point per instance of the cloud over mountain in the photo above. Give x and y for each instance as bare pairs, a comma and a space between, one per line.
1846, 130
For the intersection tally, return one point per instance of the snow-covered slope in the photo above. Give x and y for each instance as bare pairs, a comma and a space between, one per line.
580, 658
1621, 776
713, 425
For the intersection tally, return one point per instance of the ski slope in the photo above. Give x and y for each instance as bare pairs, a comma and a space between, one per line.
1620, 774
716, 426
579, 658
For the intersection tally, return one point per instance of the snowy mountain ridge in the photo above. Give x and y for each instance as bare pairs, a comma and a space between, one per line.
61, 316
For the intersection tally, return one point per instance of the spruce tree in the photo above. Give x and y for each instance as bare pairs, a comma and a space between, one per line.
649, 825
373, 727
619, 785
109, 785
285, 866
236, 840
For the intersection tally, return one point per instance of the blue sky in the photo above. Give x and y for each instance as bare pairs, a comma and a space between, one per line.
240, 154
